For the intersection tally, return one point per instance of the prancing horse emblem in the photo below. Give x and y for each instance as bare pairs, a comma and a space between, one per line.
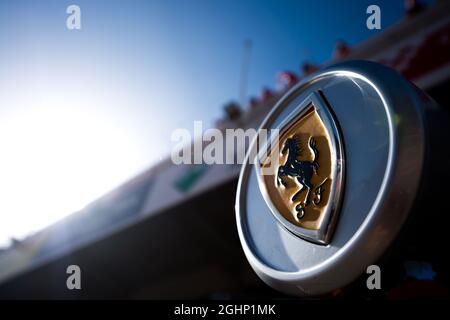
305, 189
302, 171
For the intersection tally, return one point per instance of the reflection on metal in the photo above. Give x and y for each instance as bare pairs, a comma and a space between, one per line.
303, 230
305, 192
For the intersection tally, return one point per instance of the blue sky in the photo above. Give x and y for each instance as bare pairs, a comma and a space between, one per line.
84, 110
182, 57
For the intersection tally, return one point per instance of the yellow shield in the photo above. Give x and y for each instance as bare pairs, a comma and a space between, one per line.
304, 191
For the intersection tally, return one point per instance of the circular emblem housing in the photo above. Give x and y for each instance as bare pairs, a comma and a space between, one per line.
349, 153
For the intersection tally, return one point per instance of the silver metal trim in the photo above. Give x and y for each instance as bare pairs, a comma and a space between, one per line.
399, 97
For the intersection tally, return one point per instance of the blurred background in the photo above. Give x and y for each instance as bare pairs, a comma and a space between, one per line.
86, 118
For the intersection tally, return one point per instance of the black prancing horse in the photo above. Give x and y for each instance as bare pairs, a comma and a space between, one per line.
302, 170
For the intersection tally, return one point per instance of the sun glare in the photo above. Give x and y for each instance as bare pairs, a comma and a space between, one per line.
55, 158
